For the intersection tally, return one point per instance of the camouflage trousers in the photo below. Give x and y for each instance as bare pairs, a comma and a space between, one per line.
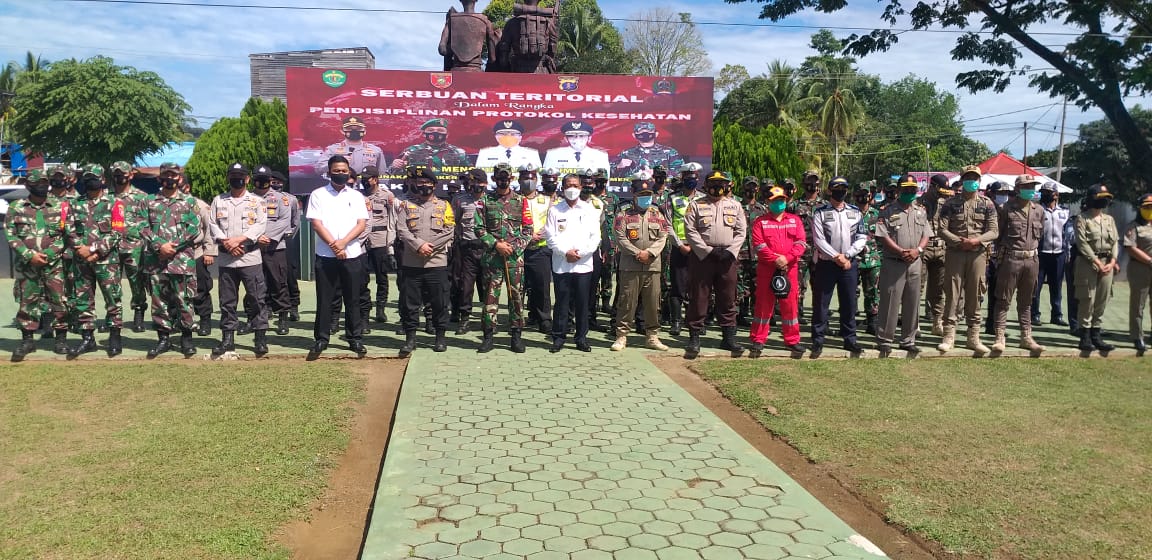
106, 275
71, 298
493, 267
870, 287
130, 269
172, 300
607, 274
805, 277
40, 291
746, 281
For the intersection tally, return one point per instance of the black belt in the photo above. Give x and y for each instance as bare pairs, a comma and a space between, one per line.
379, 228
1106, 257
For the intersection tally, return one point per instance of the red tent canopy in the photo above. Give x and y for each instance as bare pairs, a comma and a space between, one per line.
1004, 164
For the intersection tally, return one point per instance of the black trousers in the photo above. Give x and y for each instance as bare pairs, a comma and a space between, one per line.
1052, 274
252, 277
678, 270
276, 272
538, 281
378, 265
573, 289
466, 276
347, 275
294, 276
424, 286
202, 301
827, 277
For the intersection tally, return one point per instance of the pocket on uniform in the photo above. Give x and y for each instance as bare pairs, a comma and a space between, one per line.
633, 232
654, 234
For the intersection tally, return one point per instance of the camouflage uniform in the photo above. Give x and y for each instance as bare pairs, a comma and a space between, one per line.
647, 158
38, 228
67, 200
91, 226
746, 274
609, 249
135, 203
805, 209
505, 219
436, 157
870, 269
172, 220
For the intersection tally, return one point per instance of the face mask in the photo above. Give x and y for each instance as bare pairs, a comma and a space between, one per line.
879, 198
907, 197
1146, 213
120, 179
1047, 197
691, 184
38, 190
168, 183
777, 206
645, 137
339, 178
715, 190
502, 184
527, 185
366, 183
238, 182
837, 195
1101, 203
585, 193
601, 187
1000, 199
1026, 194
262, 184
425, 190
354, 134
659, 180
93, 184
810, 186
643, 202
971, 186
506, 141
435, 137
549, 187
571, 193
56, 183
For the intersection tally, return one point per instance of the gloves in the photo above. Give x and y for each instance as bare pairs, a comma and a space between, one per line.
391, 262
720, 253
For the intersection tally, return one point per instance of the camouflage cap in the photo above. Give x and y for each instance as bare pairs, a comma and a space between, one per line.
691, 167
170, 166
124, 166
502, 168
601, 173
54, 168
789, 181
644, 127
640, 175
434, 122
766, 183
35, 175
813, 172
94, 169
750, 179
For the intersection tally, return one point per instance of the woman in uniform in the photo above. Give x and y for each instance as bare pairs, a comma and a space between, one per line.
1138, 242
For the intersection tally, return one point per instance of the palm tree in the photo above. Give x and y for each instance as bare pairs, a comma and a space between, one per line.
838, 114
580, 34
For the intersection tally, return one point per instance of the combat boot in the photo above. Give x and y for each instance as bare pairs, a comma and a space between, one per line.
186, 347
102, 326
381, 313
693, 349
517, 342
115, 343
755, 350
654, 343
87, 344
620, 344
464, 325
870, 324
138, 320
441, 345
1086, 341
162, 344
409, 344
1000, 343
1094, 336
1141, 348
27, 345
245, 327
282, 323
606, 305
948, 340
204, 328
227, 344
974, 343
487, 342
938, 325
260, 343
294, 314
1028, 343
62, 342
734, 347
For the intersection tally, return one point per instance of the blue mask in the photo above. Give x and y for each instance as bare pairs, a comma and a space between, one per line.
878, 198
644, 201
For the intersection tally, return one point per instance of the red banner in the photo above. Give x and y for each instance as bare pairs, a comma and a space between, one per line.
452, 122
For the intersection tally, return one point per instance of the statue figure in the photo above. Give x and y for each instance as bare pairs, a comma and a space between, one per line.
528, 42
464, 37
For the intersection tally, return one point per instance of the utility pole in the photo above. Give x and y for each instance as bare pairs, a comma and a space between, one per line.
1060, 154
1025, 158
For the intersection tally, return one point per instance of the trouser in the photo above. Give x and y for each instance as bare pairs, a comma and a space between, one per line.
746, 282
276, 271
990, 289
870, 286
106, 275
378, 266
899, 298
1140, 286
678, 278
494, 279
365, 294
294, 278
538, 282
827, 277
636, 286
348, 275
666, 278
1015, 276
704, 276
607, 272
71, 297
136, 277
932, 279
594, 287
172, 301
1051, 273
766, 302
805, 275
1093, 291
1070, 289
37, 289
202, 301
466, 276
572, 288
964, 272
425, 286
252, 277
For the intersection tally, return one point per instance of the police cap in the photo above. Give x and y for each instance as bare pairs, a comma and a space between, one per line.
507, 126
237, 168
352, 122
576, 128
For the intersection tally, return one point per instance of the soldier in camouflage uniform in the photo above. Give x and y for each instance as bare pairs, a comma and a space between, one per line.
170, 235
135, 202
647, 154
435, 152
609, 249
661, 191
504, 226
869, 266
35, 227
95, 243
805, 208
754, 193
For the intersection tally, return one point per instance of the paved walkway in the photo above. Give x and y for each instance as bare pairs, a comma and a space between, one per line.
583, 457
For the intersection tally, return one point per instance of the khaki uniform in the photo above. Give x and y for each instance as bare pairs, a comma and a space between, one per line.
964, 270
1139, 236
1096, 238
640, 230
709, 225
1021, 228
900, 286
245, 215
425, 278
932, 279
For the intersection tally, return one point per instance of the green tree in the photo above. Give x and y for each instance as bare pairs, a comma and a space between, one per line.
96, 111
776, 98
1107, 61
259, 136
589, 43
730, 77
767, 153
664, 43
1098, 155
838, 114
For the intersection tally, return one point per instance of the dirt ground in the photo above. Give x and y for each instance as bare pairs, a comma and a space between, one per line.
337, 523
860, 512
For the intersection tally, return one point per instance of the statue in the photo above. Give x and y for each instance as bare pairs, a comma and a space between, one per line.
464, 37
528, 43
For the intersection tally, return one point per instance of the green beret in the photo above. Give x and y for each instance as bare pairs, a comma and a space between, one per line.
435, 122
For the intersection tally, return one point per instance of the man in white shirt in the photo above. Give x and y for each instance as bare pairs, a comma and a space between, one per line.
338, 214
839, 236
576, 156
573, 236
508, 133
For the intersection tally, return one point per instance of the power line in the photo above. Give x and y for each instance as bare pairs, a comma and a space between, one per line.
1009, 113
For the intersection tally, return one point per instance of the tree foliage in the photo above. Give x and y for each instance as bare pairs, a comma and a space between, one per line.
1099, 155
664, 43
96, 111
259, 136
589, 43
767, 153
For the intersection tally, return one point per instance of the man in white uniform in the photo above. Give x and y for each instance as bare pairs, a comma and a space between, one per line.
576, 156
508, 133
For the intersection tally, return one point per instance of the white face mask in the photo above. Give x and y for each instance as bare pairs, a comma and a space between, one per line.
572, 193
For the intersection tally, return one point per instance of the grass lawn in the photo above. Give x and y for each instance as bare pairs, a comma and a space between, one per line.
989, 458
165, 460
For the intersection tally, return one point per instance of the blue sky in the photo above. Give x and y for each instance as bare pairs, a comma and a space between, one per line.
203, 52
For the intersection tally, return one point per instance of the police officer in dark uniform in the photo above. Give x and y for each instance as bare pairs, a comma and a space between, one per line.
466, 268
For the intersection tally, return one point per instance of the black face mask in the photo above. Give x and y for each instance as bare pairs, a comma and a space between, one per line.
435, 137
659, 180
262, 184
366, 183
120, 179
837, 195
645, 137
339, 178
810, 187
585, 193
354, 134
1101, 203
502, 184
549, 187
56, 183
1046, 197
600, 188
233, 182
716, 190
93, 184
169, 183
425, 190
38, 190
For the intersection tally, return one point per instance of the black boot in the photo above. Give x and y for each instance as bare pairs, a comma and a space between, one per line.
606, 305
755, 350
260, 344
676, 311
800, 318
381, 312
1086, 340
441, 345
282, 324
742, 317
870, 325
1097, 341
186, 347
517, 342
294, 314
409, 344
463, 327
137, 320
62, 342
245, 327
162, 344
27, 345
486, 343
1140, 347
429, 328
115, 344
205, 326
730, 342
46, 321
693, 348
87, 344
102, 326
227, 344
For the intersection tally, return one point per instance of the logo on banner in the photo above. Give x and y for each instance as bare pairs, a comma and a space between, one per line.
441, 80
664, 87
334, 78
569, 83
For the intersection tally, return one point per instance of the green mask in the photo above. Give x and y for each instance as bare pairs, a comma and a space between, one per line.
907, 197
1026, 194
971, 186
777, 206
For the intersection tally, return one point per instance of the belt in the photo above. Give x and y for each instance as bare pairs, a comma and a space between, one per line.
1104, 256
379, 228
1022, 254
